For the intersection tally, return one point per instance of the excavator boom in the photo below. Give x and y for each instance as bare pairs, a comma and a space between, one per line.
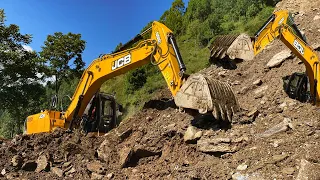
195, 91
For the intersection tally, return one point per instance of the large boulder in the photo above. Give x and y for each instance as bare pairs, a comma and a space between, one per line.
277, 59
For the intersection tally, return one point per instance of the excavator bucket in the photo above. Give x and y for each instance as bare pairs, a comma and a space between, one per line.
207, 95
232, 47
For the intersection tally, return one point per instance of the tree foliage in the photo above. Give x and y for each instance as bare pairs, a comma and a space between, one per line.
173, 18
64, 54
19, 76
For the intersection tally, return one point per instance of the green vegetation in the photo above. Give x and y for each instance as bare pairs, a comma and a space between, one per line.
194, 26
22, 72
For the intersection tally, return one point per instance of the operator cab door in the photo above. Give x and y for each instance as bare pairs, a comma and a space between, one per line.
102, 115
107, 118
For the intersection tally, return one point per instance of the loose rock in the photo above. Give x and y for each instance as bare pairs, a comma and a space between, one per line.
281, 127
219, 144
308, 170
96, 176
242, 167
57, 171
288, 171
277, 59
3, 172
125, 155
191, 135
261, 89
110, 175
96, 167
42, 163
316, 17
16, 161
258, 82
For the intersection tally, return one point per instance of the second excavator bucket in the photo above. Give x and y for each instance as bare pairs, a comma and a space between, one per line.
207, 95
232, 47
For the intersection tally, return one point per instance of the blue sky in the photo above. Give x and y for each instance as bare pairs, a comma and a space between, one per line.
102, 23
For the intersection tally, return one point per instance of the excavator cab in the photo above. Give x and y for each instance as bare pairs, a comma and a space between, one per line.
101, 114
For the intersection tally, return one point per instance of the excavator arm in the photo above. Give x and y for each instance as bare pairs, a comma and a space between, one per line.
196, 91
159, 49
280, 25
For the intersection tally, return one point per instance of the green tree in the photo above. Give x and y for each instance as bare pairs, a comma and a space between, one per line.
135, 79
19, 76
173, 18
64, 54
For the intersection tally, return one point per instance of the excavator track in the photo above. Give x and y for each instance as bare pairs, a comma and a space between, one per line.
207, 95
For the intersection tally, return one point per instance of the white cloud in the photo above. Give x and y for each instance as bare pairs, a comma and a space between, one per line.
45, 80
27, 48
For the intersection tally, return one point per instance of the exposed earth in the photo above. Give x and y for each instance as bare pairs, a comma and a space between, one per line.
273, 137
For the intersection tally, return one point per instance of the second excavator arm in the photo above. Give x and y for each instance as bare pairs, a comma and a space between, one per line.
280, 25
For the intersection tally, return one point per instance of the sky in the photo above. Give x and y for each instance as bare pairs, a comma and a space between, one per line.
103, 24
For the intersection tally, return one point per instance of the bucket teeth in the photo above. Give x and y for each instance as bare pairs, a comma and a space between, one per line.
207, 95
225, 102
232, 46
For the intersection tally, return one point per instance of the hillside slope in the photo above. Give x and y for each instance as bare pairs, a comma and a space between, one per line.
274, 137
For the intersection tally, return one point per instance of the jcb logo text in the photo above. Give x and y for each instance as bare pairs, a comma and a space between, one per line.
121, 62
298, 46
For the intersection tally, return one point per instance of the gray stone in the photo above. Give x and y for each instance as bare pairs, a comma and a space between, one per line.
57, 171
278, 158
281, 127
3, 172
125, 155
242, 167
16, 160
254, 113
261, 89
315, 46
308, 170
210, 145
191, 135
277, 59
110, 175
288, 171
71, 171
222, 73
96, 167
42, 163
198, 135
96, 176
66, 164
257, 82
316, 17
104, 151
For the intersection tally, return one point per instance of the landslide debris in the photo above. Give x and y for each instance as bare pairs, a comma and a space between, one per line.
273, 137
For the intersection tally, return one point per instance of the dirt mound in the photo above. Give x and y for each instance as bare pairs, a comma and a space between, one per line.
273, 137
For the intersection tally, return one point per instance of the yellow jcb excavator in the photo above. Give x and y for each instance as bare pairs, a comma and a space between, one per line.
195, 91
279, 25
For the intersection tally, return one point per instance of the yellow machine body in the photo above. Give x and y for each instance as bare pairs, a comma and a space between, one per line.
193, 91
